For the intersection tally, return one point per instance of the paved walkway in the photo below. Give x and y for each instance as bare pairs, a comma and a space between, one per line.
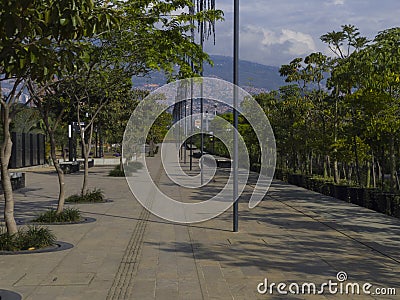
293, 236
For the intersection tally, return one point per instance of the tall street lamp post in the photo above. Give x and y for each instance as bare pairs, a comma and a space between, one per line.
235, 114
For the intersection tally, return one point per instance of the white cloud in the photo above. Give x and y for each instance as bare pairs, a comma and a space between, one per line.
337, 2
297, 43
279, 31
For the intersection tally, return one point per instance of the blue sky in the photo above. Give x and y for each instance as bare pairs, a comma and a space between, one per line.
273, 32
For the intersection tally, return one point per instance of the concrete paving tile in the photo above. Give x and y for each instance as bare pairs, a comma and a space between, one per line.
55, 279
47, 293
32, 279
293, 236
189, 288
143, 288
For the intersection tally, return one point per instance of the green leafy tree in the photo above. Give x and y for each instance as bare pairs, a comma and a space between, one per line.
376, 72
309, 74
53, 108
343, 44
36, 42
159, 130
119, 110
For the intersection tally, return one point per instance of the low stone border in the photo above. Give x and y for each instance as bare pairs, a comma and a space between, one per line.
9, 295
83, 221
59, 246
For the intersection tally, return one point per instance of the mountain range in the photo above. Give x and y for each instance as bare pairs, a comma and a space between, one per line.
253, 77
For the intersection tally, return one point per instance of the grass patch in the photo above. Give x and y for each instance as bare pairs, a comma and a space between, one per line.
30, 238
93, 196
66, 216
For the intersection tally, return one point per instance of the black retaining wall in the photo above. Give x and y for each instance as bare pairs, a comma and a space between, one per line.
28, 150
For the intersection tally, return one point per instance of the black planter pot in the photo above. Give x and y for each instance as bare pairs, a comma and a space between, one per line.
396, 206
308, 182
325, 189
356, 195
370, 196
390, 199
341, 192
380, 203
319, 186
278, 174
361, 196
294, 179
290, 178
301, 180
331, 189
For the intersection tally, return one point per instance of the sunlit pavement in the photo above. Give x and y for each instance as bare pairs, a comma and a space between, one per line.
293, 237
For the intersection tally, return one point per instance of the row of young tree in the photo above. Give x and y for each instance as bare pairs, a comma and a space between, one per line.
340, 116
76, 59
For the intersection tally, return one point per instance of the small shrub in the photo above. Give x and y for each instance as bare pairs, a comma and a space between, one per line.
93, 196
6, 240
116, 172
51, 216
133, 166
33, 237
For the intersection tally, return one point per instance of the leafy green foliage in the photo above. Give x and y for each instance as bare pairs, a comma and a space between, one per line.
96, 195
132, 167
352, 125
29, 31
33, 237
68, 215
117, 172
26, 120
160, 128
153, 36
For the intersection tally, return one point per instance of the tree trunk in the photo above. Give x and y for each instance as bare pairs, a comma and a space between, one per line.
85, 174
336, 176
86, 151
85, 171
392, 165
357, 161
373, 172
328, 163
60, 173
368, 180
344, 170
350, 173
64, 153
151, 148
5, 155
121, 165
380, 175
50, 129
